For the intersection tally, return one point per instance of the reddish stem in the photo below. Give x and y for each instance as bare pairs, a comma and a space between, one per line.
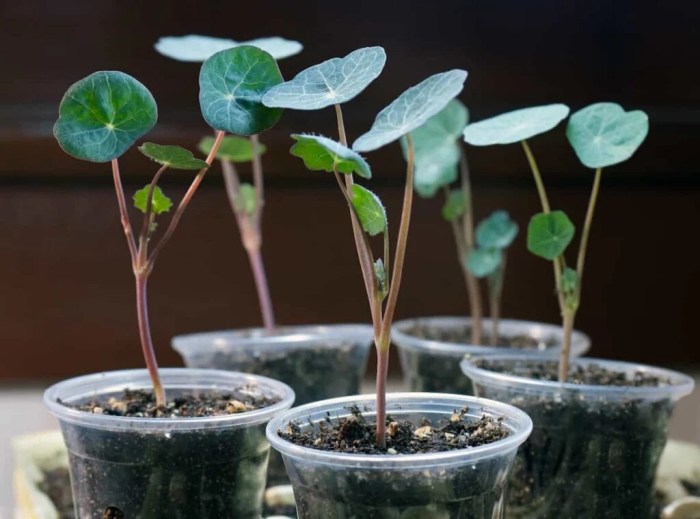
146, 340
256, 264
382, 370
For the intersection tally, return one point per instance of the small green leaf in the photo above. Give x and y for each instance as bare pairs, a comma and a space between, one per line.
569, 280
454, 205
196, 48
515, 126
369, 210
102, 115
497, 231
160, 203
483, 262
332, 82
323, 154
603, 134
232, 148
548, 234
380, 272
432, 174
412, 109
174, 157
245, 201
231, 85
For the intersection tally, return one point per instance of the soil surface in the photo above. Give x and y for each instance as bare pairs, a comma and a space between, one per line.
591, 374
56, 485
142, 404
463, 335
356, 435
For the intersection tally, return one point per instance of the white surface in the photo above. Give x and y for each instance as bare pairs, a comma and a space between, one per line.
22, 411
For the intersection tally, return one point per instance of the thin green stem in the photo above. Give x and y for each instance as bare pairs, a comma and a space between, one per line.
258, 179
568, 324
585, 234
538, 178
495, 283
148, 218
123, 211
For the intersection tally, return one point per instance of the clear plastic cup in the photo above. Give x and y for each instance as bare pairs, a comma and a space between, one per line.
594, 449
455, 484
433, 365
152, 468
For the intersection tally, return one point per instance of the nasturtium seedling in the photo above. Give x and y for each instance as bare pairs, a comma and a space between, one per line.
603, 134
411, 109
159, 202
515, 126
174, 157
323, 154
332, 82
103, 115
231, 86
197, 48
369, 209
233, 148
549, 234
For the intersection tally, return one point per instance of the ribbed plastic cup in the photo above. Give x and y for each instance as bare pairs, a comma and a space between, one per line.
455, 484
153, 468
433, 365
594, 449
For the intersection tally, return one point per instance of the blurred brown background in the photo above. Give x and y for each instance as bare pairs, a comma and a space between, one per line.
66, 303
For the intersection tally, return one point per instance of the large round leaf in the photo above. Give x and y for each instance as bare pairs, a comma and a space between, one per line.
515, 126
411, 109
196, 48
604, 134
102, 115
231, 85
549, 234
322, 153
332, 82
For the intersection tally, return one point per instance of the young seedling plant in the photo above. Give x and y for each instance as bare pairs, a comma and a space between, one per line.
103, 115
602, 135
440, 161
246, 200
333, 83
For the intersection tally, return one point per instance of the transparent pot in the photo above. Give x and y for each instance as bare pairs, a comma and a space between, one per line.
153, 468
594, 449
467, 483
430, 364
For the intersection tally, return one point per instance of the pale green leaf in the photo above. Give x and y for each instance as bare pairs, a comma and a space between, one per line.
454, 205
412, 109
231, 85
515, 126
436, 170
369, 210
548, 234
332, 82
102, 116
160, 203
232, 148
320, 153
569, 280
483, 262
173, 157
197, 48
497, 231
380, 273
603, 134
246, 199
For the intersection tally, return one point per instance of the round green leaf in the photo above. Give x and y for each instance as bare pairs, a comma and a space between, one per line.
515, 126
497, 231
548, 234
102, 115
483, 262
160, 203
332, 82
231, 85
412, 109
196, 48
454, 205
232, 148
603, 134
369, 210
174, 157
320, 153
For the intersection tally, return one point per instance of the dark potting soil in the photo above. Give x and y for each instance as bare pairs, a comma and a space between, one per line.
355, 434
587, 457
463, 335
56, 485
137, 403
